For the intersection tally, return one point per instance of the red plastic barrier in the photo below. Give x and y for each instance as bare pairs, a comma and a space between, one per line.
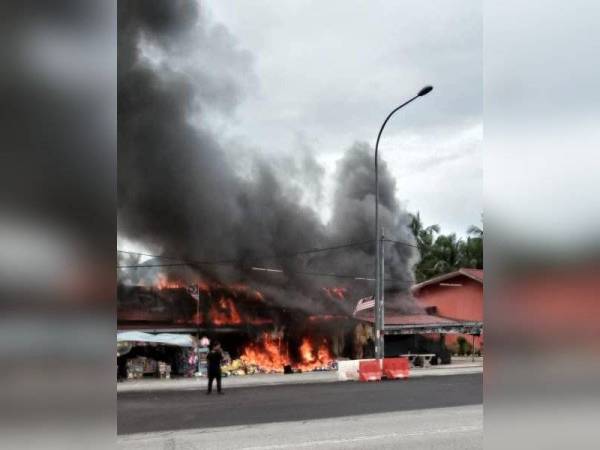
396, 368
369, 371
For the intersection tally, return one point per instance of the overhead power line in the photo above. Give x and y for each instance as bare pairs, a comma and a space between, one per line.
409, 244
192, 263
185, 262
148, 254
327, 275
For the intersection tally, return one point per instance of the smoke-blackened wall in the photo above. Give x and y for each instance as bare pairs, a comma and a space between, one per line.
179, 193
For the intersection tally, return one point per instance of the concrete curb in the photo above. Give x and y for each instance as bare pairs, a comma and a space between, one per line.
280, 379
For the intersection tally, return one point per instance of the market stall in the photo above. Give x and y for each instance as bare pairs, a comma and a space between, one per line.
162, 355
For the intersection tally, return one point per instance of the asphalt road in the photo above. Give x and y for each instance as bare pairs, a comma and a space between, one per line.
456, 428
166, 411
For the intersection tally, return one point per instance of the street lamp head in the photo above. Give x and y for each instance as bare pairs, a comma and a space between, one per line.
426, 90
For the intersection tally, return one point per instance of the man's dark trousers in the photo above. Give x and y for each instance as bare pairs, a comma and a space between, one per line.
211, 376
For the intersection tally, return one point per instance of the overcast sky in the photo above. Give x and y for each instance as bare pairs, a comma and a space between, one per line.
327, 73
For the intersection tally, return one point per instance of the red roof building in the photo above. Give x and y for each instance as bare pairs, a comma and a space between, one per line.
456, 296
450, 305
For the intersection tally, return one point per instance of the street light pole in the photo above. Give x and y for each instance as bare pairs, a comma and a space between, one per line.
379, 283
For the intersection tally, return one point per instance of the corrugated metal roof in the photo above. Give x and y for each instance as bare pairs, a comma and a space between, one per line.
474, 274
410, 319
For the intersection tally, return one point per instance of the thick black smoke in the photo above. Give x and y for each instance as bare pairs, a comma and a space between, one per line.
179, 194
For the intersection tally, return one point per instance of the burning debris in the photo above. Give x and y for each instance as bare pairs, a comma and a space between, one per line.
272, 354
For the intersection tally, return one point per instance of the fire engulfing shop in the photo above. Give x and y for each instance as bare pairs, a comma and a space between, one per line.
257, 334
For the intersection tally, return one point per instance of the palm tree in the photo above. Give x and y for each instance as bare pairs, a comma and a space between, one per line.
425, 238
447, 252
474, 230
441, 253
472, 249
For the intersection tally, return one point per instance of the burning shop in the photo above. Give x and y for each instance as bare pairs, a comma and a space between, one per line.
258, 334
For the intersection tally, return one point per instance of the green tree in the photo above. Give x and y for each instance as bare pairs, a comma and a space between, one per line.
474, 230
472, 249
442, 253
447, 252
425, 237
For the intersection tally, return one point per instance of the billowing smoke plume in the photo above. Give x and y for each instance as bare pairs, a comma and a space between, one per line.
179, 193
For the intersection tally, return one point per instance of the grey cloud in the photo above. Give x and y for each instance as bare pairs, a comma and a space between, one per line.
434, 161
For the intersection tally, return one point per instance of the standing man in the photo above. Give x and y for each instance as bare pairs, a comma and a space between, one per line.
214, 358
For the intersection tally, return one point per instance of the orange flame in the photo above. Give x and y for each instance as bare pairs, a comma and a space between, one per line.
312, 360
338, 293
326, 317
224, 312
306, 351
203, 287
162, 282
270, 355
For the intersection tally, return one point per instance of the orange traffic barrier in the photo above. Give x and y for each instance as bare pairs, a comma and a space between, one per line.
369, 371
394, 368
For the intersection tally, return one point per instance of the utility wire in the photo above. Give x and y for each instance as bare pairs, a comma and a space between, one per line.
188, 264
191, 263
329, 275
401, 243
234, 261
148, 254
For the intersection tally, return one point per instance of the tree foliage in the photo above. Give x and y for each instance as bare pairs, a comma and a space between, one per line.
441, 253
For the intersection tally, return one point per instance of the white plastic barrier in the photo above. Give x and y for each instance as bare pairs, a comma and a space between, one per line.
348, 369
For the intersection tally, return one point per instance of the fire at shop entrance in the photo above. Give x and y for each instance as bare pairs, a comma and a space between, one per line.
273, 352
258, 335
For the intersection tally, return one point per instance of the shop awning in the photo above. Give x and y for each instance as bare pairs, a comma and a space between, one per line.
180, 340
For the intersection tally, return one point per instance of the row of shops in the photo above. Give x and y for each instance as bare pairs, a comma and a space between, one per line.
262, 337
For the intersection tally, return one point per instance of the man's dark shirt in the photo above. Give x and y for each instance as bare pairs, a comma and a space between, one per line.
214, 359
